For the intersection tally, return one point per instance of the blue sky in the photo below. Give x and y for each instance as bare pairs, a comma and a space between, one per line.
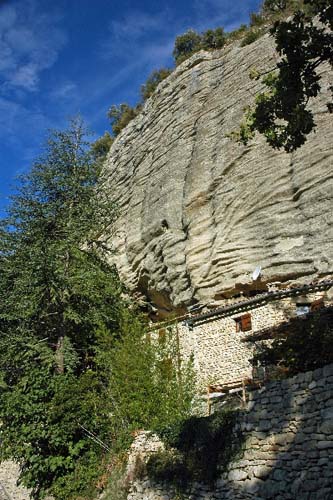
62, 58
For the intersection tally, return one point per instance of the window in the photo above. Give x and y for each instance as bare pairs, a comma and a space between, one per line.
303, 308
243, 323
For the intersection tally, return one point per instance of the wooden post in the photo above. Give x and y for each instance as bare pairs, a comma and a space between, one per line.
208, 401
244, 393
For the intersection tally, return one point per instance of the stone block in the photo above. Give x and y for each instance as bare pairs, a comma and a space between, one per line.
328, 370
323, 445
261, 471
237, 475
264, 425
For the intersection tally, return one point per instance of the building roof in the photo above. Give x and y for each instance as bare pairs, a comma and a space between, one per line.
246, 305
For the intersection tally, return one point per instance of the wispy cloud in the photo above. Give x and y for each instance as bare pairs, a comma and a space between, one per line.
64, 91
30, 42
139, 36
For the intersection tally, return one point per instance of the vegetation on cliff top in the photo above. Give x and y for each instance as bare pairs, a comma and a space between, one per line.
280, 113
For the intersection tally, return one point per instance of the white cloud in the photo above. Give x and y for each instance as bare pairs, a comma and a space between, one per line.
65, 90
30, 42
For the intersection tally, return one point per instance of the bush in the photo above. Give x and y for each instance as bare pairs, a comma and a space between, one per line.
101, 147
305, 345
250, 37
186, 45
148, 388
213, 39
197, 449
156, 77
121, 115
256, 20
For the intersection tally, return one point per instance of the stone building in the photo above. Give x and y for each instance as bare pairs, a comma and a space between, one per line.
222, 341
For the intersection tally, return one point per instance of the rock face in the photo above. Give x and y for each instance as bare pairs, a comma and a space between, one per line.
198, 211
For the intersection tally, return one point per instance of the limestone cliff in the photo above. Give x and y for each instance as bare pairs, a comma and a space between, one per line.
198, 211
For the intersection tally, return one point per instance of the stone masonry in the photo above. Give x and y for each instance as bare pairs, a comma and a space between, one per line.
288, 451
220, 353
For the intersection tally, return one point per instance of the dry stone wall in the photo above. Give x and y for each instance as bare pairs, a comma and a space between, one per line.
198, 211
288, 451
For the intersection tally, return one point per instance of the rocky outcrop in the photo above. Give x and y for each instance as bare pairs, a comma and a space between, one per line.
199, 211
9, 489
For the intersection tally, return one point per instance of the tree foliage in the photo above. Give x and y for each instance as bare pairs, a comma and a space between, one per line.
57, 292
213, 39
190, 42
153, 80
121, 115
281, 113
101, 147
63, 317
307, 345
186, 45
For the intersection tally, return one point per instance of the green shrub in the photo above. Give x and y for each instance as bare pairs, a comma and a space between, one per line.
213, 39
156, 77
101, 147
305, 345
197, 449
186, 45
256, 20
148, 388
250, 37
121, 115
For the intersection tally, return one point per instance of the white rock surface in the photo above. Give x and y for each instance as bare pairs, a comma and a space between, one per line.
198, 211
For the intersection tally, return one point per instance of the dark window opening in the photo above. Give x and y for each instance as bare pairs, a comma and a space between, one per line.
243, 323
303, 308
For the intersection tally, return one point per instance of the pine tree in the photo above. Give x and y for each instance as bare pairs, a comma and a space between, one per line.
57, 292
76, 373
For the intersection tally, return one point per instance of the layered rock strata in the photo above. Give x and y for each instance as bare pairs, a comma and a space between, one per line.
199, 211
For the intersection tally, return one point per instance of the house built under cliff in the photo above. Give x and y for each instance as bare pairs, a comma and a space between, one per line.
222, 341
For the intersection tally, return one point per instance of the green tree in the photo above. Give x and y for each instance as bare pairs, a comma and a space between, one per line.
271, 6
186, 45
121, 115
213, 39
156, 77
70, 343
101, 147
57, 291
281, 113
150, 386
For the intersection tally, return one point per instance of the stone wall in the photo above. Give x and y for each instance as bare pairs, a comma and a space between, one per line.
219, 352
288, 451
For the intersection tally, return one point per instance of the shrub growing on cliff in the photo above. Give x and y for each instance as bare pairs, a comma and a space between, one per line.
121, 115
281, 112
186, 45
213, 39
101, 147
156, 77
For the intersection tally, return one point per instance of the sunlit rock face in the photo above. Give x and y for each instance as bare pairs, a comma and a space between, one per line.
199, 211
